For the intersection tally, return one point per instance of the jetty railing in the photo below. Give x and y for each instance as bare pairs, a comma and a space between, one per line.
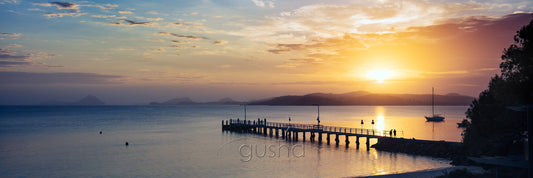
314, 127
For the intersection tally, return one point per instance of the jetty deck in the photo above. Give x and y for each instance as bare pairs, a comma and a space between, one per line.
291, 131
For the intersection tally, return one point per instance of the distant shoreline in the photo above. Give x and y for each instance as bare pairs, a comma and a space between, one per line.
206, 105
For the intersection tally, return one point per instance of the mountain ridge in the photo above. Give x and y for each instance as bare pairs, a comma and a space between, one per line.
87, 100
349, 98
365, 98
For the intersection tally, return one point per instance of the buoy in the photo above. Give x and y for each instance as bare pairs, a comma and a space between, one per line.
127, 144
100, 132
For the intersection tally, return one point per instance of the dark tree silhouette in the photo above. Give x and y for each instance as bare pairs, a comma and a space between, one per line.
495, 129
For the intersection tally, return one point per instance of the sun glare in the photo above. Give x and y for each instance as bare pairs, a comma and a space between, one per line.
379, 75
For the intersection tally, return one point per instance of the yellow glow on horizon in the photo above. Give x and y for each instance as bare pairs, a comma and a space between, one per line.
379, 75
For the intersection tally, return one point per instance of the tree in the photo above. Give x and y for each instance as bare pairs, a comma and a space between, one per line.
494, 129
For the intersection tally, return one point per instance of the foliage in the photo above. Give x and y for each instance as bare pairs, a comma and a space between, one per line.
494, 128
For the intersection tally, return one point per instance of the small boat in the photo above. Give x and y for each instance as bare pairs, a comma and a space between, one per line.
434, 117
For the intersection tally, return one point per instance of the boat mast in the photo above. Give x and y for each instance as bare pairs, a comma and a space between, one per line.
433, 101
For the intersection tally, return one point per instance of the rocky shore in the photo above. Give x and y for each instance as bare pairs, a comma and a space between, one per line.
441, 149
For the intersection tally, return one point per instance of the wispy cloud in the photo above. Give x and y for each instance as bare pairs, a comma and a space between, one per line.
155, 19
263, 3
327, 20
125, 12
220, 42
179, 42
57, 78
10, 58
64, 9
59, 5
102, 6
187, 24
126, 22
11, 34
9, 2
104, 16
191, 37
158, 50
65, 5
72, 13
14, 46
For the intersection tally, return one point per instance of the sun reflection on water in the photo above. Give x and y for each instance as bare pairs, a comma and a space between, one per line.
380, 118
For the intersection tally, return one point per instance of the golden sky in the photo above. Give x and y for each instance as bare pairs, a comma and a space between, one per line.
130, 52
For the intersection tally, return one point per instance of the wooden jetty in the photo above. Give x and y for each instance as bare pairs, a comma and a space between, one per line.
290, 131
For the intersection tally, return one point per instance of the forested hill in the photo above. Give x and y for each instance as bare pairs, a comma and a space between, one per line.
366, 98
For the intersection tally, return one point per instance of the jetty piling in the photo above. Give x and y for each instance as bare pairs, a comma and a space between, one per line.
291, 131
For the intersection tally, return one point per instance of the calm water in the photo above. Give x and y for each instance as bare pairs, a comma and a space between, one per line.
179, 141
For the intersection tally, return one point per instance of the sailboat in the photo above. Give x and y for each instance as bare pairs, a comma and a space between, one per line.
434, 117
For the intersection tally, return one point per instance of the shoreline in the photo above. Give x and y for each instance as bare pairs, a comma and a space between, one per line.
437, 149
428, 172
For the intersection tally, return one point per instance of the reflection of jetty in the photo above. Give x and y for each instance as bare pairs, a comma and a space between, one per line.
291, 131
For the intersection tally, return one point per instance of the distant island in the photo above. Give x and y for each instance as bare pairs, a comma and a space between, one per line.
85, 101
351, 98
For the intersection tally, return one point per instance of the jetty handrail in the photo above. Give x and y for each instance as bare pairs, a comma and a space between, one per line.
318, 128
313, 127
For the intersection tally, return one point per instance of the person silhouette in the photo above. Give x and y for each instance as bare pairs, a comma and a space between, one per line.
395, 132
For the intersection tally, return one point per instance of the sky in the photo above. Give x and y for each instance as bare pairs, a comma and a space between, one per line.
135, 52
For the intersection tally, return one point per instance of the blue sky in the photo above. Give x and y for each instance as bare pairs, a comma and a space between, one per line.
139, 51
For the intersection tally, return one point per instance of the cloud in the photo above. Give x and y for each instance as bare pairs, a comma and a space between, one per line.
158, 50
14, 46
220, 42
104, 6
187, 24
111, 5
64, 8
191, 37
9, 2
10, 58
327, 20
296, 62
123, 49
131, 22
72, 13
152, 12
11, 34
260, 3
155, 19
125, 12
281, 48
65, 5
14, 63
126, 22
59, 5
462, 40
104, 16
179, 42
29, 78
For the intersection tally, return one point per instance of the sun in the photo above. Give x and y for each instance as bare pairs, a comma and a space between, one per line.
379, 75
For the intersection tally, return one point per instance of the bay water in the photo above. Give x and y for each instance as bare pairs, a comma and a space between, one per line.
185, 141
